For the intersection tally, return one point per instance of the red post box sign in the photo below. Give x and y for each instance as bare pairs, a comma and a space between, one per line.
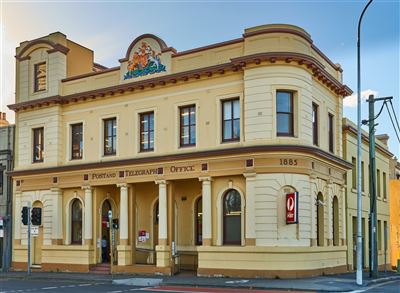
292, 205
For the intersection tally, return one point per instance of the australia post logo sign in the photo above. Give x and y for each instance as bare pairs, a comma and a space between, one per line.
292, 204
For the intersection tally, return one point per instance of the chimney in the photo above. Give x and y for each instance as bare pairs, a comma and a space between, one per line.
3, 119
383, 138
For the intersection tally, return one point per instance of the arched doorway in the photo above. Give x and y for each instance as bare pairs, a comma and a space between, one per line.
153, 257
232, 218
320, 220
105, 232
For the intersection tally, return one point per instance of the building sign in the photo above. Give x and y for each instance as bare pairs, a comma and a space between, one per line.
144, 61
34, 231
176, 169
141, 172
104, 175
292, 205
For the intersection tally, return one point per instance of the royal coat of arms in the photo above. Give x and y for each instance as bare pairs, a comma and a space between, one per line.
144, 61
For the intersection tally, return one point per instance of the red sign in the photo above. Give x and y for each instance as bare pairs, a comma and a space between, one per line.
292, 204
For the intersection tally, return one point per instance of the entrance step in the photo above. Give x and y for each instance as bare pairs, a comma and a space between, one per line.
138, 282
103, 268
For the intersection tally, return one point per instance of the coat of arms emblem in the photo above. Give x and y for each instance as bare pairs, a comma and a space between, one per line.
143, 62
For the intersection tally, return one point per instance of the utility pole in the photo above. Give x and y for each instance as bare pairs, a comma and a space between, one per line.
373, 255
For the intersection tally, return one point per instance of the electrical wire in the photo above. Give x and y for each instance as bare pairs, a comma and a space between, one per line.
395, 116
391, 119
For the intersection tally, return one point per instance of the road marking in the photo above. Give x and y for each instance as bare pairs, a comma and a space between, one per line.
84, 285
119, 291
374, 286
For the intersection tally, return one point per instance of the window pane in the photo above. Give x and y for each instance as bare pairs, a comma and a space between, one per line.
185, 135
228, 129
283, 123
151, 144
227, 110
185, 116
192, 134
283, 102
192, 115
232, 229
236, 128
236, 109
151, 121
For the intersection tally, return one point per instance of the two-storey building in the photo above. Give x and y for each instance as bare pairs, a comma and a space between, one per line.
394, 191
382, 159
224, 159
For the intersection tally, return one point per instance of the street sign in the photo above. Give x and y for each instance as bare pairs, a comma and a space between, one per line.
35, 231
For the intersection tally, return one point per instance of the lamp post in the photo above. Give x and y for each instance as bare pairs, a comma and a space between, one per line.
359, 195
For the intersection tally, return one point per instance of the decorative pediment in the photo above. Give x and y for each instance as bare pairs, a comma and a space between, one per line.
147, 55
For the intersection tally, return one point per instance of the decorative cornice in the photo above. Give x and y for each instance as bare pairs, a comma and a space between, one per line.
365, 138
55, 48
188, 156
236, 64
310, 62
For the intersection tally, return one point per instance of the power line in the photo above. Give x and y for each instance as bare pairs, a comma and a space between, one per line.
391, 119
395, 116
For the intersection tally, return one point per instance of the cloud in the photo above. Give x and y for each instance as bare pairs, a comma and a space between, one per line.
351, 101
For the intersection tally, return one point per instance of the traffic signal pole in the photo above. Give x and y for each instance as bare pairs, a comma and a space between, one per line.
29, 238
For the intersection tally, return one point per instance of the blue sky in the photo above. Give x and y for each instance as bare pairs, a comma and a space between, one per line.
109, 27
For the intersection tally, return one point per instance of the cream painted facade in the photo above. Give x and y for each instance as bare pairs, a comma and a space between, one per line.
261, 166
383, 157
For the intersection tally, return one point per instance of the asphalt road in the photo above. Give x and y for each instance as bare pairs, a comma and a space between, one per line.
36, 286
47, 286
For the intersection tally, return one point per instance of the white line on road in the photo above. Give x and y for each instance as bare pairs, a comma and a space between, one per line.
374, 286
84, 285
115, 291
49, 288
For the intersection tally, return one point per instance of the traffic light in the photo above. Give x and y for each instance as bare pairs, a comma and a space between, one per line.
24, 215
115, 223
36, 218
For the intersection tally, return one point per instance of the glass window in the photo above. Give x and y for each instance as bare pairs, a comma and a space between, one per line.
77, 141
187, 116
147, 131
384, 185
76, 222
38, 144
315, 123
1, 179
362, 176
335, 213
378, 182
232, 217
354, 173
330, 132
284, 113
110, 136
199, 221
40, 77
320, 220
231, 120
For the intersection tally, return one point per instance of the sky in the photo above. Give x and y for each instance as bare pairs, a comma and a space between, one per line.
108, 28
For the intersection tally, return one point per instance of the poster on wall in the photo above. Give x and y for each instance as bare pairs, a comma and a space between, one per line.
292, 205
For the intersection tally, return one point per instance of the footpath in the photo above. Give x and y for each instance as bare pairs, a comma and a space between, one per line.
329, 283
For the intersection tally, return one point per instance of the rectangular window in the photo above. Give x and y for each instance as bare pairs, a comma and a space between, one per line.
38, 144
362, 176
315, 123
354, 173
378, 182
110, 136
77, 141
147, 132
187, 116
231, 120
379, 228
40, 77
384, 185
284, 113
330, 132
1, 179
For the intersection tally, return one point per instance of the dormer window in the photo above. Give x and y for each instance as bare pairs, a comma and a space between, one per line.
40, 75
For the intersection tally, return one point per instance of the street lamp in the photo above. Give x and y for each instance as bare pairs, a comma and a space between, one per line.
359, 196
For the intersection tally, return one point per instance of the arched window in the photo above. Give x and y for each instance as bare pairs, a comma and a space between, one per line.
335, 221
320, 220
198, 221
232, 217
76, 222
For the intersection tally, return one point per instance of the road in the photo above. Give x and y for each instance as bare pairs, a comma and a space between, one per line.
36, 286
48, 286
